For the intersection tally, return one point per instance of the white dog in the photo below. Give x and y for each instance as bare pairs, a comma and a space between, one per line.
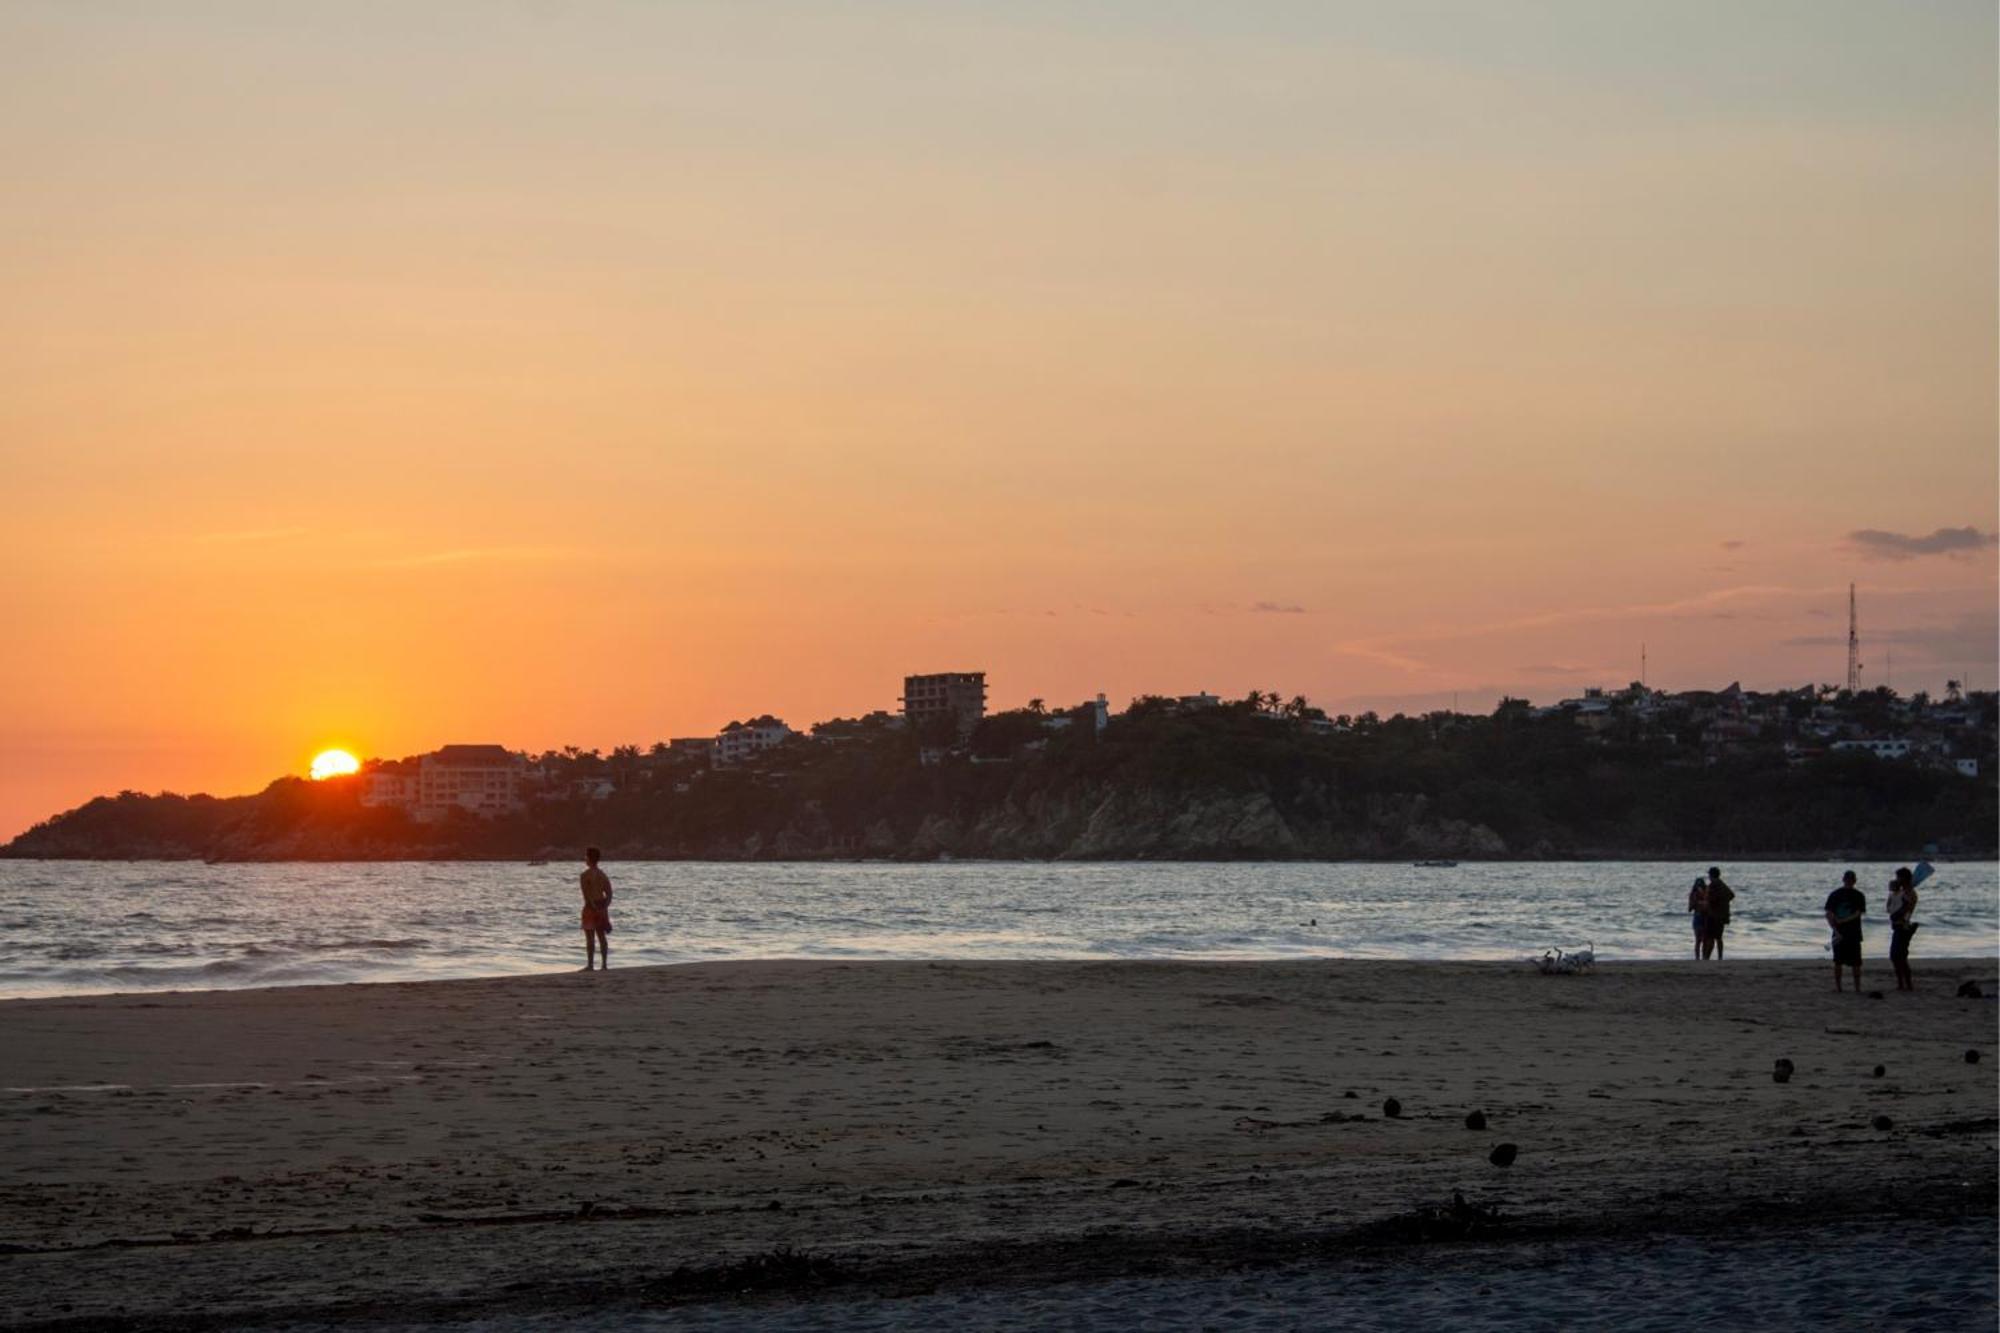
1556, 963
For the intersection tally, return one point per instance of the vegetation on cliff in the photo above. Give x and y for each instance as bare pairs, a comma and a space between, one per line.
1244, 780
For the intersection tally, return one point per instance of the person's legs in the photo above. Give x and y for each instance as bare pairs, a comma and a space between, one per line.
1847, 953
604, 950
589, 950
1718, 946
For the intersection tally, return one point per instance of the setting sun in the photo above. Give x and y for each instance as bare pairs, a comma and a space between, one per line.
333, 764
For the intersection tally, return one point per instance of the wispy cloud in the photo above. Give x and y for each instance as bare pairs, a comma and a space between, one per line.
1389, 657
1734, 544
1969, 639
1562, 669
1876, 544
467, 555
253, 535
1278, 608
1399, 650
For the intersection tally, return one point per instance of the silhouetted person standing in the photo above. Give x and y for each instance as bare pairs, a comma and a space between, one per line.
596, 912
1902, 903
1720, 895
1698, 913
1844, 909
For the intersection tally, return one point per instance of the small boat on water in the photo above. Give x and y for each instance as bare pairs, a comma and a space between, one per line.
1436, 865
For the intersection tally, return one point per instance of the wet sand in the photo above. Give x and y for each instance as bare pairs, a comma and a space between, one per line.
587, 1148
1641, 1285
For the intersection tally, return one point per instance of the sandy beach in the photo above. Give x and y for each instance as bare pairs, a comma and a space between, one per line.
892, 1144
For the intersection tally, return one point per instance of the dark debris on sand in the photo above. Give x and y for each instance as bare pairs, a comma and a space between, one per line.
781, 1269
1428, 1223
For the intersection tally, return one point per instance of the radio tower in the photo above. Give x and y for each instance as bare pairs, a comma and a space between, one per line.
1853, 645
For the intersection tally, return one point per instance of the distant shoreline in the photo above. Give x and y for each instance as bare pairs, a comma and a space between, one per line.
1943, 973
565, 856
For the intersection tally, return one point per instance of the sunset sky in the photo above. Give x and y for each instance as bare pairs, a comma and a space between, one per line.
389, 375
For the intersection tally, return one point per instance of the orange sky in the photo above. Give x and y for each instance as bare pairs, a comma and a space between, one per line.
596, 373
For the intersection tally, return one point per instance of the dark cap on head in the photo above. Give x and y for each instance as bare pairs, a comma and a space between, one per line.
591, 854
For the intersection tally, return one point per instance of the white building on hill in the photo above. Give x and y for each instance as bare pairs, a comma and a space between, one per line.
393, 783
484, 779
740, 740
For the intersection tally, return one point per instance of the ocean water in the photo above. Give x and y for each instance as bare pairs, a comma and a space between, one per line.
69, 927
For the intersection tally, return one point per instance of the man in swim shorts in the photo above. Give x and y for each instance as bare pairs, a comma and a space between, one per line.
596, 912
1844, 909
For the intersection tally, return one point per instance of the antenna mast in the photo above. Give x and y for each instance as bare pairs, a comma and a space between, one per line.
1853, 645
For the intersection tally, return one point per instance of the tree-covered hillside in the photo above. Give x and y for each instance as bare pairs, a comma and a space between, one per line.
1243, 780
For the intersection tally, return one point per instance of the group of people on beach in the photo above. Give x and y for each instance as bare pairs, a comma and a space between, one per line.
1847, 905
1708, 908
